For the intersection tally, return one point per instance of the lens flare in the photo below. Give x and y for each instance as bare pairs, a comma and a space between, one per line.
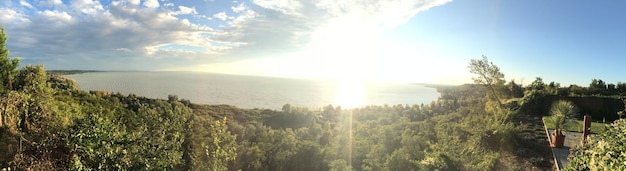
350, 94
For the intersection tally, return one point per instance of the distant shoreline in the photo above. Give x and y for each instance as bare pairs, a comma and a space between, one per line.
70, 72
73, 72
246, 91
436, 86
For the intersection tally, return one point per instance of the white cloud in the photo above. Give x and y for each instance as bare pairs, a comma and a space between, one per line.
108, 37
151, 3
122, 34
10, 16
239, 8
221, 15
187, 10
290, 27
386, 13
26, 4
61, 17
123, 49
290, 7
50, 3
134, 2
87, 6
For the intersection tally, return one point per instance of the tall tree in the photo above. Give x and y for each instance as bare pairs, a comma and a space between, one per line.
515, 90
597, 86
7, 72
489, 75
537, 84
7, 66
621, 87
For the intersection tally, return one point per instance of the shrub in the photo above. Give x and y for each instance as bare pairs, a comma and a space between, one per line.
605, 151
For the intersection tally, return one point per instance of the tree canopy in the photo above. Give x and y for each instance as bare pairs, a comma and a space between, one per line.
8, 66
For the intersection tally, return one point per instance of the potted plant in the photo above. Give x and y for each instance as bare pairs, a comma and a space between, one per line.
562, 113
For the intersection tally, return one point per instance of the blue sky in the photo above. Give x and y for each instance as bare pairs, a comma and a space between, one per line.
570, 42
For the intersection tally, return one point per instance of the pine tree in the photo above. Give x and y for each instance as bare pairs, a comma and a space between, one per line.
7, 66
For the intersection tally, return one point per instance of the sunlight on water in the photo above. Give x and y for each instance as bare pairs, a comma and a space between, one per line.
350, 94
256, 92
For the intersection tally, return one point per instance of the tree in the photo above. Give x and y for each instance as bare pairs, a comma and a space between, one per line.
515, 90
597, 86
621, 87
576, 90
537, 84
489, 75
611, 89
213, 145
7, 66
553, 87
340, 165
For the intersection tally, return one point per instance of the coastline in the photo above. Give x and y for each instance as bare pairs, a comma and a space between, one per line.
246, 91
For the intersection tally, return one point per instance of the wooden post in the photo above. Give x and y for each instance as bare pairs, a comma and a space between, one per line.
586, 128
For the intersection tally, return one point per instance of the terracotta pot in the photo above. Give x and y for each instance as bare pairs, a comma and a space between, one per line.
558, 139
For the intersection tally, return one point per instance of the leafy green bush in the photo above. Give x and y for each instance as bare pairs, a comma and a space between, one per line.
532, 102
604, 151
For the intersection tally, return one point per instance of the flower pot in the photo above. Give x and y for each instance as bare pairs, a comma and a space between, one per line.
558, 139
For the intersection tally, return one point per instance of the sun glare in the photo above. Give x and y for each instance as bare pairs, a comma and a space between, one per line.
346, 47
350, 94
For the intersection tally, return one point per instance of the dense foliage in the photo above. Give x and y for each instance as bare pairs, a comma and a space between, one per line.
604, 151
46, 123
597, 88
45, 128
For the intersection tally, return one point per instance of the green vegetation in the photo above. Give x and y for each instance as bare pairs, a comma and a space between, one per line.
7, 66
596, 88
46, 123
561, 114
604, 151
577, 126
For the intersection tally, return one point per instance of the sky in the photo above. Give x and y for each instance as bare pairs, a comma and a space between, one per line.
428, 41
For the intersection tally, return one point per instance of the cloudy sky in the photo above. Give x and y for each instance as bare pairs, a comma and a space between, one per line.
570, 42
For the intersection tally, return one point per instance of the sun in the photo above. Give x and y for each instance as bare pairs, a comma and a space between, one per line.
350, 94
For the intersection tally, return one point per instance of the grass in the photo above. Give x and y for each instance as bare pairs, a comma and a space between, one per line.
577, 126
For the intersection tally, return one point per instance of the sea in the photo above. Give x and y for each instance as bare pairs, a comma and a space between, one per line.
256, 91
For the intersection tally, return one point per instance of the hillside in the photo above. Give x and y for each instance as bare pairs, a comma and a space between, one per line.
49, 124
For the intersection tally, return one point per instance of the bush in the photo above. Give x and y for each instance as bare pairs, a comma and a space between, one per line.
605, 151
533, 102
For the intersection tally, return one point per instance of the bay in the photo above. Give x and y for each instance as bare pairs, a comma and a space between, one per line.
249, 91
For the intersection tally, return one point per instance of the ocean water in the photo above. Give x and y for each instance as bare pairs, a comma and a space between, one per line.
255, 91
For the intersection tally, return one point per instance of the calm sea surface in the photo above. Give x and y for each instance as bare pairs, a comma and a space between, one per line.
249, 91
